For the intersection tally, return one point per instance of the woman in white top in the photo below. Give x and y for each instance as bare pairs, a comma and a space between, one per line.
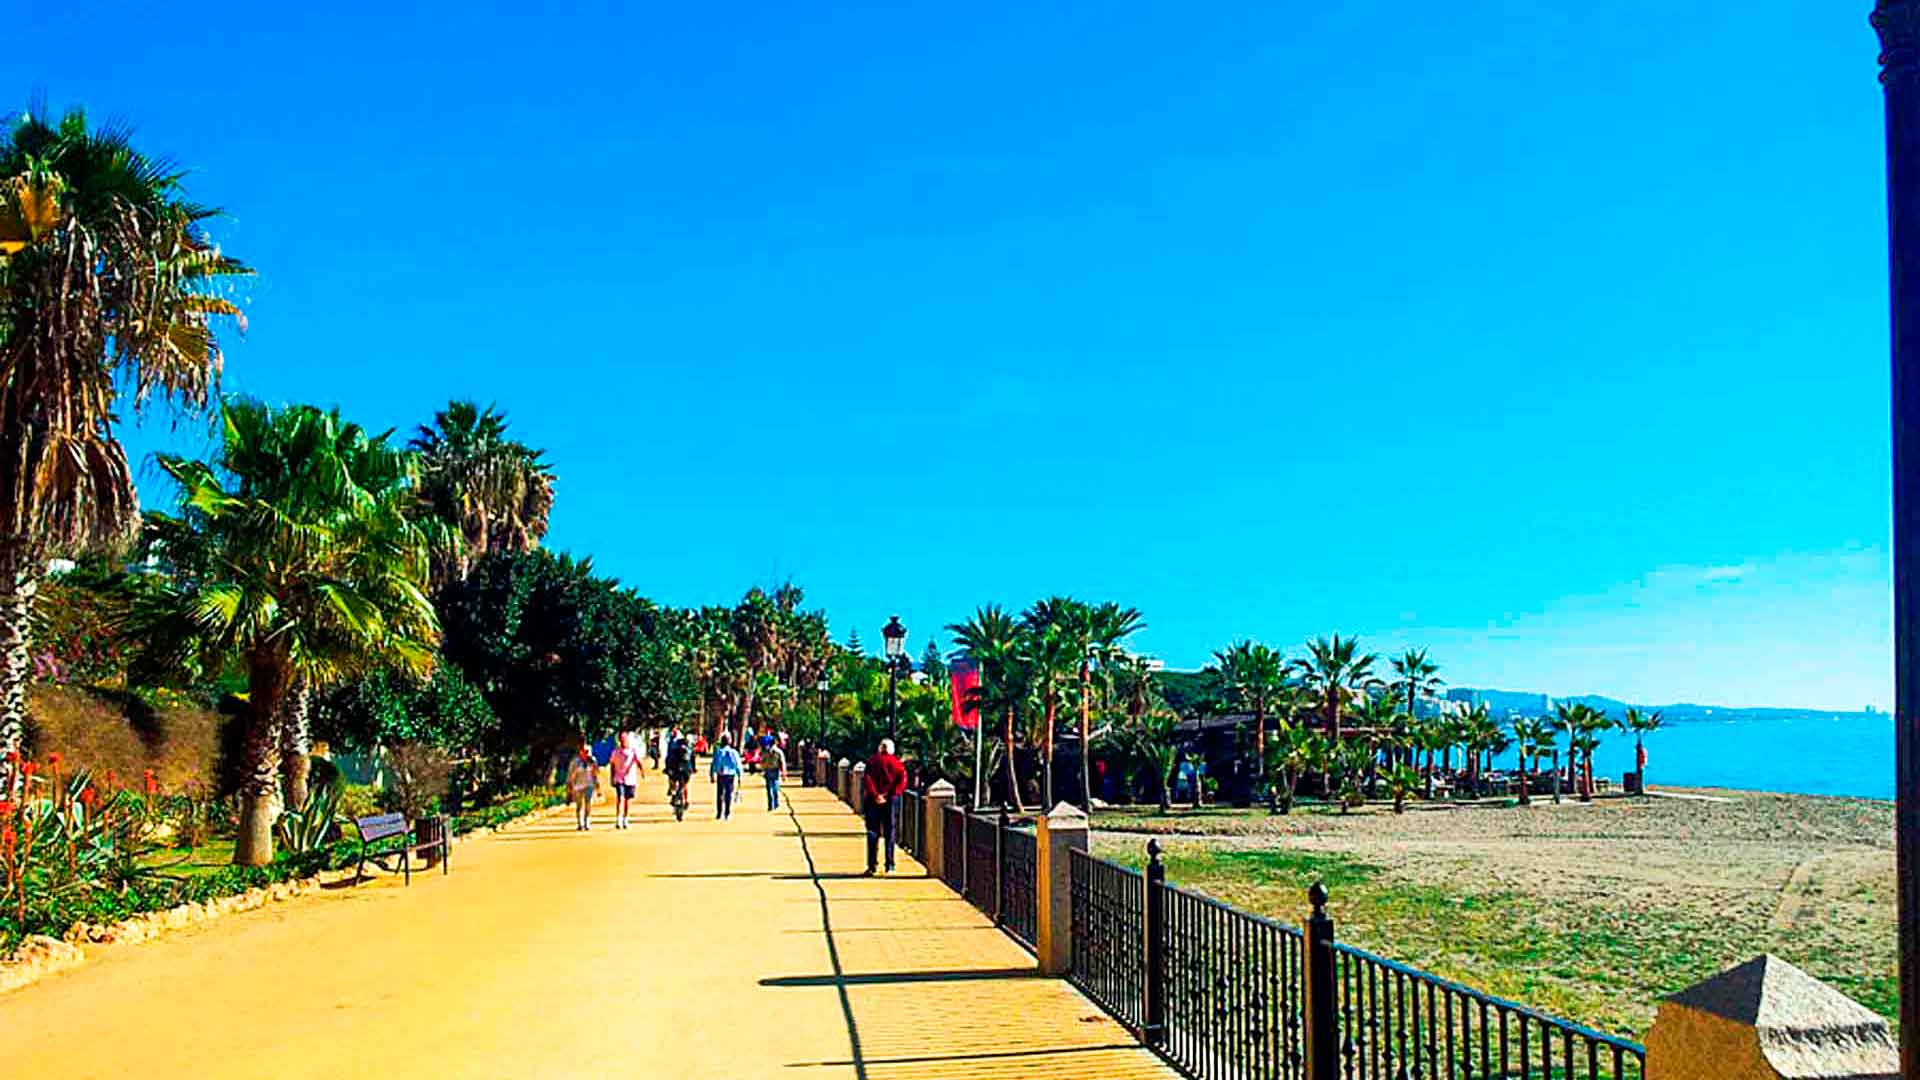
583, 781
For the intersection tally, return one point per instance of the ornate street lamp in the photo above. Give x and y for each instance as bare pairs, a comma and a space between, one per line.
1898, 23
895, 636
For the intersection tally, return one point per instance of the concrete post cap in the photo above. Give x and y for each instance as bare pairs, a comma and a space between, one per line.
1767, 1018
940, 790
844, 763
1066, 815
862, 767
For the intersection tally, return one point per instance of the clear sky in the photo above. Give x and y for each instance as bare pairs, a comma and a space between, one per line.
1550, 335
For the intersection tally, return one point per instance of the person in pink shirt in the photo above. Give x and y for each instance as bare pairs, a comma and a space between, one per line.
626, 772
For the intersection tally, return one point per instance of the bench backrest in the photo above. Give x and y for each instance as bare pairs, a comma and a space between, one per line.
379, 826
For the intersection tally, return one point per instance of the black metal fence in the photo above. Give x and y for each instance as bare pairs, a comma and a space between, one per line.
909, 834
982, 885
1019, 896
1224, 994
953, 849
1108, 933
1397, 1021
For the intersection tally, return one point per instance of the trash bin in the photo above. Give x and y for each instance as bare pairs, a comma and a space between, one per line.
1630, 783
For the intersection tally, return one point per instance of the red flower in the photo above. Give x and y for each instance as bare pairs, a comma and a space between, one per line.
113, 780
7, 841
153, 786
29, 769
53, 760
6, 808
88, 796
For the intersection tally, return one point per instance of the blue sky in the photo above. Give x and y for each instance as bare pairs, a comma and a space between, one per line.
1554, 339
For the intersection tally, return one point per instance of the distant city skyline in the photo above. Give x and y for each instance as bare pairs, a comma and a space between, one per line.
1550, 338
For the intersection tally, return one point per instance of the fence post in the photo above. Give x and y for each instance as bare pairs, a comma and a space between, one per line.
1153, 979
842, 769
1060, 833
822, 768
933, 828
857, 788
1323, 1029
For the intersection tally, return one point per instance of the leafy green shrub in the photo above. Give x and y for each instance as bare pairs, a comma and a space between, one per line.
359, 800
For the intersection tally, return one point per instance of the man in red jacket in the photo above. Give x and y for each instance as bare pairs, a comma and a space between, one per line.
886, 781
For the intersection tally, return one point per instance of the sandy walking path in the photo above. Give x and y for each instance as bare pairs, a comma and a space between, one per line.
747, 948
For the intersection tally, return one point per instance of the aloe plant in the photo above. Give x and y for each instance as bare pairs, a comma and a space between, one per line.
310, 827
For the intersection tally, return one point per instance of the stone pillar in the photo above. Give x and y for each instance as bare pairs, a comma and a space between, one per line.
1061, 830
933, 820
823, 762
1768, 1020
844, 772
856, 791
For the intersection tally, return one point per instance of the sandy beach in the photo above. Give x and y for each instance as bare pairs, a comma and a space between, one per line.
1590, 911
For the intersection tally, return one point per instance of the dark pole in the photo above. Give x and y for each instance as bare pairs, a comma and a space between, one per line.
1323, 1025
893, 701
1898, 23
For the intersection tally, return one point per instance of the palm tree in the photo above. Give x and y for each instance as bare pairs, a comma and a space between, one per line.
994, 640
1584, 725
1530, 735
1336, 671
1108, 625
1417, 674
1054, 649
1640, 724
496, 492
1153, 734
108, 285
1479, 734
756, 632
1402, 783
295, 556
1255, 675
1295, 752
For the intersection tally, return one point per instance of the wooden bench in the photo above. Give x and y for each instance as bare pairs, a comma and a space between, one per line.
382, 826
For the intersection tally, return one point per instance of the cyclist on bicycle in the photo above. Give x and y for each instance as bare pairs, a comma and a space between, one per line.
679, 768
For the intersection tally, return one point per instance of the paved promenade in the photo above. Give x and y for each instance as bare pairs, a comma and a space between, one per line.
701, 949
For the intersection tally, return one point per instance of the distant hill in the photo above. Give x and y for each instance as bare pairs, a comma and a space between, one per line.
1186, 690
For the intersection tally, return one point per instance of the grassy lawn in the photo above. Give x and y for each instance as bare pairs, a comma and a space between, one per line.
207, 858
1586, 912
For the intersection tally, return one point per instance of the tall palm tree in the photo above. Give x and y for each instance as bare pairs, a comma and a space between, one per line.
756, 632
1640, 725
1336, 671
294, 555
1479, 734
993, 639
109, 285
495, 491
1108, 626
1255, 675
1054, 651
1416, 674
1584, 725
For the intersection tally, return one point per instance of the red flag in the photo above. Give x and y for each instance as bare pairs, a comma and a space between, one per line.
965, 676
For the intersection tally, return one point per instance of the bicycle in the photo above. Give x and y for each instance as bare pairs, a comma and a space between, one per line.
677, 796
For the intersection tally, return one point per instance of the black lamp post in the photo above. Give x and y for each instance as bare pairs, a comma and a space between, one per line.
1898, 23
826, 690
895, 636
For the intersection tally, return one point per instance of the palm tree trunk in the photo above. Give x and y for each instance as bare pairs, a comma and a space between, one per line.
1046, 767
1013, 771
295, 752
1086, 744
19, 583
260, 773
1260, 738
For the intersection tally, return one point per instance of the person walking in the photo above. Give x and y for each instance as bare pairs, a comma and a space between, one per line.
725, 771
885, 782
583, 782
773, 766
625, 772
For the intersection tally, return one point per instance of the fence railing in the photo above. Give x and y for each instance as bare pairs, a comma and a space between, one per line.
1108, 932
1224, 994
908, 832
1395, 1020
953, 848
982, 884
1019, 895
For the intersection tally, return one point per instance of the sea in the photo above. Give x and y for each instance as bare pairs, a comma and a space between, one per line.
1842, 754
